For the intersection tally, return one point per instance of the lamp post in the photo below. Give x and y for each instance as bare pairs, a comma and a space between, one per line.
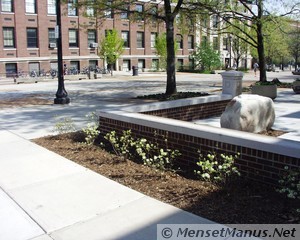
230, 48
61, 94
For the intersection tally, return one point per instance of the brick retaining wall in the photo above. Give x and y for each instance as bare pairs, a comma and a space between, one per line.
192, 112
261, 158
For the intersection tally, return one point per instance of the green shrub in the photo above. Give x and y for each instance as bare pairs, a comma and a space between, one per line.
217, 168
65, 126
142, 150
290, 184
91, 131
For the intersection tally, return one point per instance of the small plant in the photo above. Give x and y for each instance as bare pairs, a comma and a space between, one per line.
65, 126
154, 156
290, 185
121, 145
217, 168
142, 150
91, 131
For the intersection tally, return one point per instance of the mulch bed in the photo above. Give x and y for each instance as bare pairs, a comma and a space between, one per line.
240, 203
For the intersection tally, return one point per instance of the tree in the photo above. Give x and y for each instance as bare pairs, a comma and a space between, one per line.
276, 40
294, 43
111, 47
161, 50
165, 11
253, 14
206, 57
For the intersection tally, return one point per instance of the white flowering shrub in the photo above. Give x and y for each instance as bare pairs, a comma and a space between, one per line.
217, 168
91, 131
142, 150
290, 184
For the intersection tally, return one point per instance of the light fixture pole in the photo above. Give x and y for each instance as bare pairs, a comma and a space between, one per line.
230, 48
61, 94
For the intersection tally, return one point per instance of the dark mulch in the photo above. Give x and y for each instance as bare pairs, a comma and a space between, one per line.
178, 95
242, 202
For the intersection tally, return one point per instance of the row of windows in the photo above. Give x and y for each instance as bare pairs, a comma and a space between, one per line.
31, 6
32, 38
141, 41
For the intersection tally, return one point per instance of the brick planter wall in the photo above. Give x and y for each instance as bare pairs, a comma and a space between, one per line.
261, 158
192, 112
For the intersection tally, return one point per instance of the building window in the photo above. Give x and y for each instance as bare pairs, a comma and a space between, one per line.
7, 6
34, 68
72, 10
32, 38
30, 6
204, 40
126, 65
179, 40
125, 14
51, 6
153, 39
190, 42
215, 43
141, 63
92, 38
178, 19
139, 8
73, 38
109, 12
11, 69
140, 41
90, 12
215, 21
51, 35
180, 64
125, 37
225, 43
155, 64
74, 66
191, 24
8, 37
93, 64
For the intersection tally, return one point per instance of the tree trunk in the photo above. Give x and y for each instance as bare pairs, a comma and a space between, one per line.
260, 44
171, 75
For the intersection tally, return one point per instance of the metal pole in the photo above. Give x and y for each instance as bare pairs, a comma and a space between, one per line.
230, 51
61, 94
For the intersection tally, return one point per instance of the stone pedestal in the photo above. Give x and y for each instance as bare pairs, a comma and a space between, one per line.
232, 82
296, 86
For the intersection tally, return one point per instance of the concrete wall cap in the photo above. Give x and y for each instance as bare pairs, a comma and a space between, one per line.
232, 73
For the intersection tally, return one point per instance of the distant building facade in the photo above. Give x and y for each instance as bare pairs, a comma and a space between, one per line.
28, 43
28, 38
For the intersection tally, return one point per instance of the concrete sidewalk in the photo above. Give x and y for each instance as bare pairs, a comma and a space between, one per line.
45, 196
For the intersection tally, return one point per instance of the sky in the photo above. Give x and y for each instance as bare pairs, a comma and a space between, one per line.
280, 6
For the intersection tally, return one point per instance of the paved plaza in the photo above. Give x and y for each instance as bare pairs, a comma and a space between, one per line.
44, 196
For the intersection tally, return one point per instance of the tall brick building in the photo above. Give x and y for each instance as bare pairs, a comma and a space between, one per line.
27, 38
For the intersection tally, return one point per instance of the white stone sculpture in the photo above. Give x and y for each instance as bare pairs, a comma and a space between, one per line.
249, 113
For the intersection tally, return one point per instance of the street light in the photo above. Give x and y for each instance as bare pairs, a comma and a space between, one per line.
61, 94
230, 47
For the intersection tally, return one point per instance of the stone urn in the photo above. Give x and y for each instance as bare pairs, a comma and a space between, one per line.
296, 86
266, 90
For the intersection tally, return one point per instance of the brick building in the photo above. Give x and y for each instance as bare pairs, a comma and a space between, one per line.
28, 43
